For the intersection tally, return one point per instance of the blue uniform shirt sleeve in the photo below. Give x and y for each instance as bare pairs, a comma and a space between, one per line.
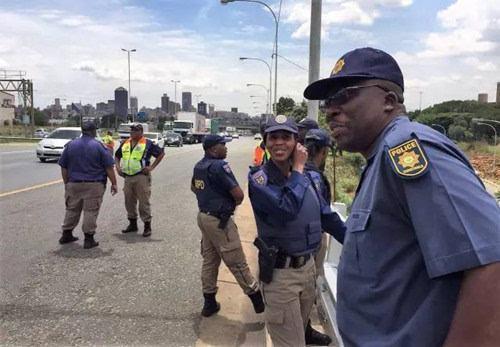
456, 222
118, 152
63, 160
331, 222
154, 150
284, 202
222, 174
106, 157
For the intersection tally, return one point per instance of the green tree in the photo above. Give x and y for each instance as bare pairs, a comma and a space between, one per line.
285, 105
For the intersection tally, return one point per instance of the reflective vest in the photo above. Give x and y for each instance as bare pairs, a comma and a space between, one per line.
132, 159
260, 155
211, 198
299, 236
108, 141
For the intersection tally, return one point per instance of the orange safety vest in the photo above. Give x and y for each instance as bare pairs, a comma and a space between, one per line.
260, 155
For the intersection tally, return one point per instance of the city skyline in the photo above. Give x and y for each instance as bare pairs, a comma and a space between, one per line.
447, 50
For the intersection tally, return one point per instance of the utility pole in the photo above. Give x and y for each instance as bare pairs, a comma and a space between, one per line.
314, 54
129, 91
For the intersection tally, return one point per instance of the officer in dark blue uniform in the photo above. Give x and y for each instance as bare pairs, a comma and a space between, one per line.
420, 261
319, 144
304, 126
86, 165
218, 193
290, 216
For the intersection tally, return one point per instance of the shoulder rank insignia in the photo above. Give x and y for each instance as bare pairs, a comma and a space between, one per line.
408, 159
199, 184
227, 168
260, 178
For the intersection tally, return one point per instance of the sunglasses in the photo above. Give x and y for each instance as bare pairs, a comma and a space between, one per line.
346, 94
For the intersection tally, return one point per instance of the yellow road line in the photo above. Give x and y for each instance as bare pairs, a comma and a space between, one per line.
30, 188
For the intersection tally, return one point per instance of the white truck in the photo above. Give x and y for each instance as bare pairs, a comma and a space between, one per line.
124, 129
191, 126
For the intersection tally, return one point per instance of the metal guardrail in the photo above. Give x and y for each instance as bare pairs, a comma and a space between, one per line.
327, 283
6, 139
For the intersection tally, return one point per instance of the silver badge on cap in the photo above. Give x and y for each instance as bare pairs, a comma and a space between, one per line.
280, 119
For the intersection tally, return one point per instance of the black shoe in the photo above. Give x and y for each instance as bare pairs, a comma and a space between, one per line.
132, 226
314, 337
67, 237
258, 304
90, 242
210, 306
147, 229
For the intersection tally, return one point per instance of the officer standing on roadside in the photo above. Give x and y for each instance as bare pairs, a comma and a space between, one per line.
304, 126
86, 165
290, 216
420, 264
218, 194
133, 162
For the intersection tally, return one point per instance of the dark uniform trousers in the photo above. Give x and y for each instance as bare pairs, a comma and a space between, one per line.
217, 245
86, 196
138, 188
289, 299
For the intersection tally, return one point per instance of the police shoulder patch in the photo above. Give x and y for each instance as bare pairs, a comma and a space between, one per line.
260, 178
226, 168
408, 159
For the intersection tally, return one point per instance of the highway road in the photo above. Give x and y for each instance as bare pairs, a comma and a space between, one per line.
128, 291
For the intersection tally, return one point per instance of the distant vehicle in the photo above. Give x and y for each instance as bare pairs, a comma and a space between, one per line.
191, 126
52, 146
228, 137
40, 133
236, 136
156, 138
172, 139
124, 129
257, 137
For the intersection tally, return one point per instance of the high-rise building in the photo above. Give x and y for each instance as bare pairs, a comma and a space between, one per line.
187, 103
234, 109
482, 98
134, 105
211, 110
121, 103
498, 93
57, 102
202, 108
164, 103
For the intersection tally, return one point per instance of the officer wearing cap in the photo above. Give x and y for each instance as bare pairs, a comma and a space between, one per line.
290, 216
304, 126
133, 163
218, 193
420, 260
86, 165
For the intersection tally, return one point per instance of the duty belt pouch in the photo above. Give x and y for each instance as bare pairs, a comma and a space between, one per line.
267, 260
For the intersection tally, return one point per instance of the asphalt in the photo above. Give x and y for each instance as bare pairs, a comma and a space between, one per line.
130, 290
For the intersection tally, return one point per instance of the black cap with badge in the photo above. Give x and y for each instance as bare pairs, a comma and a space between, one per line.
359, 64
281, 122
211, 140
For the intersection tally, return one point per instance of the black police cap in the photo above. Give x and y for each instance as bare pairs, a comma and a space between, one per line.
211, 140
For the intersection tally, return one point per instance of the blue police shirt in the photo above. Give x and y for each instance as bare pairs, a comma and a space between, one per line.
279, 199
86, 159
151, 150
420, 218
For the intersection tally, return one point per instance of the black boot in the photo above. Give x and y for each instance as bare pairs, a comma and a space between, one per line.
147, 229
314, 337
258, 304
90, 242
67, 237
210, 306
132, 226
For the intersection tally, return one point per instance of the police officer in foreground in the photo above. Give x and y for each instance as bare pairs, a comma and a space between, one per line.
290, 216
420, 262
304, 126
218, 194
86, 165
133, 163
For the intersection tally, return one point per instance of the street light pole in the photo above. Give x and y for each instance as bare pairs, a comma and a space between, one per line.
129, 91
175, 94
275, 53
314, 54
262, 86
270, 77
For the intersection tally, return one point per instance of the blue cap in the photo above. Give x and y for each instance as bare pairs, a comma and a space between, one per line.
308, 123
362, 63
89, 126
320, 136
211, 140
281, 122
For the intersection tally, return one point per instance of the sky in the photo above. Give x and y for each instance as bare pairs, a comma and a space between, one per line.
72, 49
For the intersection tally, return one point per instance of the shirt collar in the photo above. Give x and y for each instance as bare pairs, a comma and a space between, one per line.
380, 139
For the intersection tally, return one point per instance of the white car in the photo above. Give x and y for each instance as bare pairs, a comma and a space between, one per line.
236, 136
40, 133
52, 146
156, 138
257, 137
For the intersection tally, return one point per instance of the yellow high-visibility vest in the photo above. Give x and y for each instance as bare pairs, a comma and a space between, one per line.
131, 162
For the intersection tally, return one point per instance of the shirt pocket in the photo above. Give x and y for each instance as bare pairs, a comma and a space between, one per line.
358, 221
356, 226
314, 233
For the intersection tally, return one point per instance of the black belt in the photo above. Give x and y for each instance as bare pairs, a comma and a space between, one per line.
88, 181
285, 261
214, 214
